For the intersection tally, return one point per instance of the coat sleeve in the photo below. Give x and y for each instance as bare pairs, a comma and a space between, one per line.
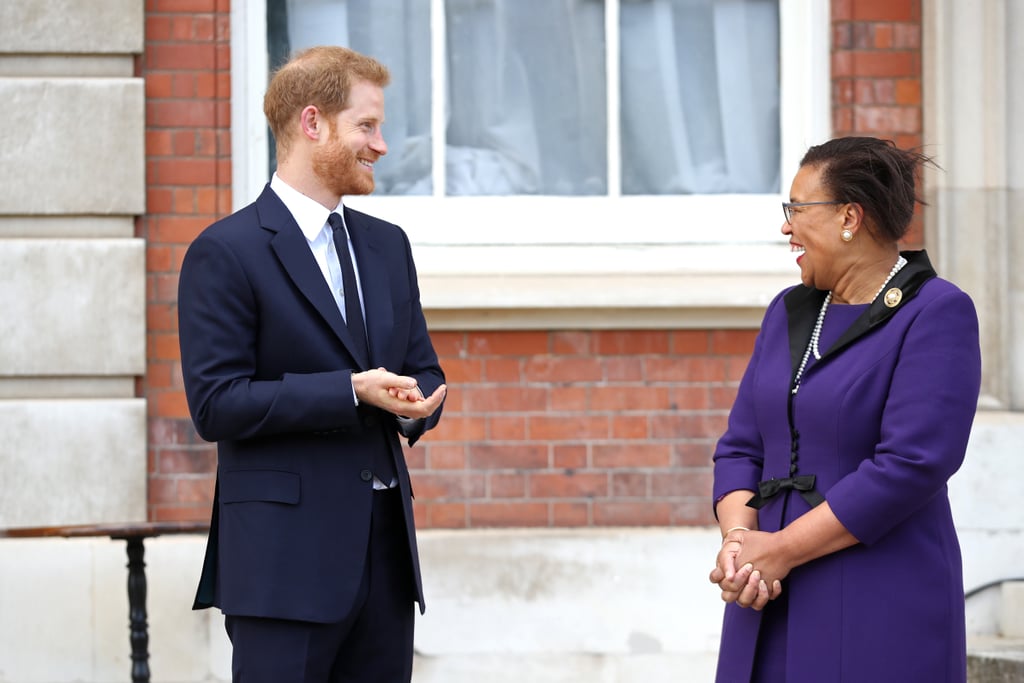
926, 421
739, 454
420, 360
218, 322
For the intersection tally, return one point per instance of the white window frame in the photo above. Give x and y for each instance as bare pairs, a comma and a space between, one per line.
579, 262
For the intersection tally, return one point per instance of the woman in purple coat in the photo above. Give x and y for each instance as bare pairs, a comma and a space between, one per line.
840, 561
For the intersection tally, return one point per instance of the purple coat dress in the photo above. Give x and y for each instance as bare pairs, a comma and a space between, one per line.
882, 422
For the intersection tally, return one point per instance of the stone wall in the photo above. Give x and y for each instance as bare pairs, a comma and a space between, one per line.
72, 334
608, 605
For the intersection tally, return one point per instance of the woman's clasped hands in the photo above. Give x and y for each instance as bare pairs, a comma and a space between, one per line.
747, 568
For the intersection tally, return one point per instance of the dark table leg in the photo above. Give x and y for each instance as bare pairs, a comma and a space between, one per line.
137, 610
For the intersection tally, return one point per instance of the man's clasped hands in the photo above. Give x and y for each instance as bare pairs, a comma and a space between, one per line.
749, 568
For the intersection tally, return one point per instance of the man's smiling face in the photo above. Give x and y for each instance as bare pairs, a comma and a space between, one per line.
344, 160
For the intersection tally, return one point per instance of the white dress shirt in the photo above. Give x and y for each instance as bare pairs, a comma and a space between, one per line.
312, 219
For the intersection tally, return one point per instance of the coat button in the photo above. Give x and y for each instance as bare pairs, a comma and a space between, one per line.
366, 475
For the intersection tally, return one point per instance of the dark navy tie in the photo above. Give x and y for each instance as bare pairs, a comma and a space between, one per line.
353, 311
382, 465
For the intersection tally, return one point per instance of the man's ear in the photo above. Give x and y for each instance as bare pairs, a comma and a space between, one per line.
312, 122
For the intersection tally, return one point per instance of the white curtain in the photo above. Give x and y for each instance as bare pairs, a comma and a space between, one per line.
526, 97
700, 96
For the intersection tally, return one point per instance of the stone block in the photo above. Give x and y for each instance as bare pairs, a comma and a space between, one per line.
629, 593
179, 638
83, 66
995, 660
72, 462
65, 605
72, 307
45, 632
71, 26
1011, 618
72, 146
176, 630
67, 226
107, 601
592, 668
984, 493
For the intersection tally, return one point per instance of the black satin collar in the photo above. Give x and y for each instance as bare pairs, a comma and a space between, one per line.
804, 303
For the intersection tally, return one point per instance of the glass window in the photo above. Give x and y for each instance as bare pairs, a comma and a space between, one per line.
395, 32
527, 97
700, 96
689, 105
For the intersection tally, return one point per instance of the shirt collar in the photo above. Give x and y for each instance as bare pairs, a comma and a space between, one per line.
308, 213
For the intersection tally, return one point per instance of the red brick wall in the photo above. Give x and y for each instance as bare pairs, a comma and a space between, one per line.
876, 74
577, 428
551, 428
187, 66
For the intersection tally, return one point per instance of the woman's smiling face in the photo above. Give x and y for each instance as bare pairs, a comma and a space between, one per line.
814, 231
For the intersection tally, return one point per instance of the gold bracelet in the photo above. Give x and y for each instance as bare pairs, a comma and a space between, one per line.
735, 528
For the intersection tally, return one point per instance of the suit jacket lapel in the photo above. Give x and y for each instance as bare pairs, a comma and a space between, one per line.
804, 303
373, 277
909, 280
802, 306
293, 251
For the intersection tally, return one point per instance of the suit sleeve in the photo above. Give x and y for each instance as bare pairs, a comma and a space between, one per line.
218, 322
420, 358
926, 422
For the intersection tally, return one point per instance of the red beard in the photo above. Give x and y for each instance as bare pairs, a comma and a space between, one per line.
338, 169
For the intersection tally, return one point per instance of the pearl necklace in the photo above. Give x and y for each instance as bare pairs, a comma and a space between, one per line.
812, 346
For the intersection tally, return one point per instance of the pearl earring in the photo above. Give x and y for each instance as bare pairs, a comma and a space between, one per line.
847, 235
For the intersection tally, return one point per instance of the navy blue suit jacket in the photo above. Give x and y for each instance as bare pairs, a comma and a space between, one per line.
266, 360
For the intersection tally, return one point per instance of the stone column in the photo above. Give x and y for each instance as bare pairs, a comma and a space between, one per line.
974, 103
72, 272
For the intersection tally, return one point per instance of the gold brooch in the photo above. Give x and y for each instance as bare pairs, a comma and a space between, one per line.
893, 297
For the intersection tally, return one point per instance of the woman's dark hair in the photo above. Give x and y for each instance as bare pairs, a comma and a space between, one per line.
874, 173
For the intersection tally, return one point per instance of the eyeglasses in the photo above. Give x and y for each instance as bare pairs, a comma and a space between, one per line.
787, 208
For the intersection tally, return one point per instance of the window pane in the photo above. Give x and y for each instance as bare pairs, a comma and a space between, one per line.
526, 97
700, 96
526, 92
395, 32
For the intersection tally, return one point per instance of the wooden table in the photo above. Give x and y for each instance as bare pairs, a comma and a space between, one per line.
134, 534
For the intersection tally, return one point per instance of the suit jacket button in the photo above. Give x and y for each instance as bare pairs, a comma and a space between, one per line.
366, 475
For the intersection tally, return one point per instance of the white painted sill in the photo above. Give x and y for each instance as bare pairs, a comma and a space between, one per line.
601, 286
